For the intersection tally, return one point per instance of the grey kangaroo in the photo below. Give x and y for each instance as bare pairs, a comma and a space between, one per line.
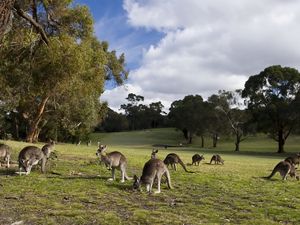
285, 168
153, 169
294, 159
113, 160
197, 159
5, 153
32, 155
172, 159
217, 159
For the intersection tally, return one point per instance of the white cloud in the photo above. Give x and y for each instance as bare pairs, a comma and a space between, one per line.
209, 45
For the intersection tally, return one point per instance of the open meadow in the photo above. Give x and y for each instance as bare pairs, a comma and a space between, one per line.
75, 189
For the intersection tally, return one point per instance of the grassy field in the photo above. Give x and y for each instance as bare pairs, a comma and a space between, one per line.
75, 189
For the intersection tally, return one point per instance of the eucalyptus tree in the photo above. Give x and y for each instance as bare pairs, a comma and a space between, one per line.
188, 115
273, 98
231, 105
65, 77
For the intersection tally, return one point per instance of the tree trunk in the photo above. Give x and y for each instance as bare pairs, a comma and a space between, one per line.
202, 141
215, 140
281, 141
6, 7
190, 135
33, 133
237, 143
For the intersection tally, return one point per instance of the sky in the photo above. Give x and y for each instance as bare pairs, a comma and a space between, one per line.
175, 48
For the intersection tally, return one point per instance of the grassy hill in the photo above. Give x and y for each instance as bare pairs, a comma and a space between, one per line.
75, 189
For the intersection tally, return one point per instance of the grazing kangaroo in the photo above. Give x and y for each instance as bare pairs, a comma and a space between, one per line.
32, 155
153, 169
285, 168
197, 159
5, 153
113, 160
294, 159
153, 154
172, 159
217, 159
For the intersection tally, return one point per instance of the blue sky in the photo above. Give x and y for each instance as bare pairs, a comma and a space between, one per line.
175, 48
111, 25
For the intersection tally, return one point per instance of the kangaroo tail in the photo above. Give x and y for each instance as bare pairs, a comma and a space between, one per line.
272, 174
183, 166
167, 174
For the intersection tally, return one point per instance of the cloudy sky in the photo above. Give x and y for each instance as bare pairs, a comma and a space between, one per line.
176, 48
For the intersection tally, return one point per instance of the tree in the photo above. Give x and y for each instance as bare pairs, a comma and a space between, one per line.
188, 116
133, 110
273, 98
113, 122
217, 122
229, 103
69, 71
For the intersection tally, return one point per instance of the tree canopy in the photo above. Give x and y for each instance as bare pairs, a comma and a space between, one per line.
61, 81
273, 97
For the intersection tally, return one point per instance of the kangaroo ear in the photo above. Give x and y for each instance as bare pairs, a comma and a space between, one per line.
156, 151
135, 177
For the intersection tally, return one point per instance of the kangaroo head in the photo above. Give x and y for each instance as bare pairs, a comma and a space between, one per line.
101, 150
202, 157
153, 154
137, 182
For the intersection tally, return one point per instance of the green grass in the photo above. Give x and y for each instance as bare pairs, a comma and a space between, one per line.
76, 191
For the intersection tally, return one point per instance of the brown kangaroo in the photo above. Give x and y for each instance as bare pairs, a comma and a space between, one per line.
172, 159
285, 168
5, 153
153, 169
197, 159
32, 155
113, 160
217, 159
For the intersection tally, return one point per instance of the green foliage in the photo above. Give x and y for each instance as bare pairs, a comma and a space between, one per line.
56, 86
189, 115
273, 98
141, 116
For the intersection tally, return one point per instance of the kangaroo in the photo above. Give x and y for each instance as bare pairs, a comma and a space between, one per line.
153, 169
285, 168
294, 159
197, 159
5, 153
172, 159
217, 159
153, 154
32, 155
113, 160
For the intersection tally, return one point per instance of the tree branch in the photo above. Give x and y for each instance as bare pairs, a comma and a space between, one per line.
38, 26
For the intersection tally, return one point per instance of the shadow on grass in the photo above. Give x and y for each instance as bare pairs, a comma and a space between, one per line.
8, 172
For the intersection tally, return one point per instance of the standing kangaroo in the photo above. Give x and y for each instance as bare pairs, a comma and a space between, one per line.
32, 155
172, 159
197, 159
154, 168
5, 153
217, 159
285, 168
113, 160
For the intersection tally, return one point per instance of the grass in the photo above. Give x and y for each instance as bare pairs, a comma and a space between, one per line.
76, 191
